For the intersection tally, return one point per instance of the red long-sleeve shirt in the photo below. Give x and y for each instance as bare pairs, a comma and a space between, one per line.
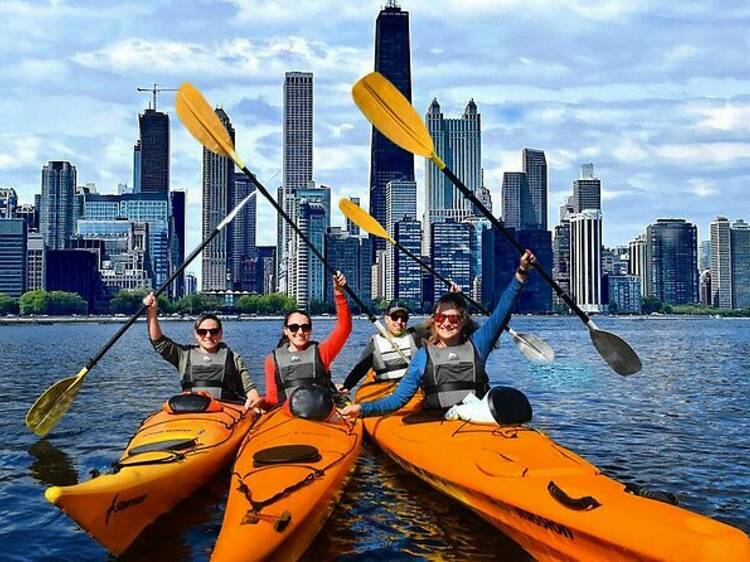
328, 349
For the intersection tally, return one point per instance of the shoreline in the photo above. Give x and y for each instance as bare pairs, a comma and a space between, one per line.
111, 319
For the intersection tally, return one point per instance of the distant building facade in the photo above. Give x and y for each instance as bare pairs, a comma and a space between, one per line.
12, 256
673, 261
59, 180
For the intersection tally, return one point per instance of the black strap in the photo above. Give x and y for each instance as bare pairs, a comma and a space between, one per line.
584, 503
451, 386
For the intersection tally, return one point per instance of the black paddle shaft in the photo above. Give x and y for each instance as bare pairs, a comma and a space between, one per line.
307, 241
445, 280
95, 359
513, 242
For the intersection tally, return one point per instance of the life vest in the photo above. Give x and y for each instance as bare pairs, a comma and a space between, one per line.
386, 361
213, 373
295, 368
451, 374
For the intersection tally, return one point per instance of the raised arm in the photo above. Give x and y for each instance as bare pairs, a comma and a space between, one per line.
330, 347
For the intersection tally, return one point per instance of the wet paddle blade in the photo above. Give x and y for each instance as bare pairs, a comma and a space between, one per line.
53, 403
392, 114
363, 219
203, 123
534, 348
615, 351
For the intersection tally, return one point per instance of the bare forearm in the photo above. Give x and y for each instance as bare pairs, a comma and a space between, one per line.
154, 330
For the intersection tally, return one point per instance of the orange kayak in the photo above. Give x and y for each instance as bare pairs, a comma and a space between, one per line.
552, 502
170, 456
287, 478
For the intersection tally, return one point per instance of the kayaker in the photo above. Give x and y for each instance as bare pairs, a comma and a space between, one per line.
451, 365
298, 359
211, 366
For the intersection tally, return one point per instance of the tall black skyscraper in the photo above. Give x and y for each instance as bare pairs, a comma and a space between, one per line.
535, 168
177, 240
393, 60
152, 152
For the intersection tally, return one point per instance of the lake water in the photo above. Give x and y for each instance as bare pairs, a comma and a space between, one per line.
681, 425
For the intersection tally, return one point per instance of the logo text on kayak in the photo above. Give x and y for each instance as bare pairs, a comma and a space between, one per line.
122, 505
545, 523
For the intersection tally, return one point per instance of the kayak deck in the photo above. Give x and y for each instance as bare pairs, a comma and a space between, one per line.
169, 457
274, 511
552, 502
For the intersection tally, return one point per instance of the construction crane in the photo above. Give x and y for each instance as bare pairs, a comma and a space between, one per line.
155, 89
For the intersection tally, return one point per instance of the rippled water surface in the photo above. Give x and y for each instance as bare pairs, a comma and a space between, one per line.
681, 425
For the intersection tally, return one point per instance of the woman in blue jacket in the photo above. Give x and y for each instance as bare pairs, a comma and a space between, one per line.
451, 365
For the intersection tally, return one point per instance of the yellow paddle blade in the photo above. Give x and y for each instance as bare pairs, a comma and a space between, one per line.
392, 114
203, 123
363, 219
53, 403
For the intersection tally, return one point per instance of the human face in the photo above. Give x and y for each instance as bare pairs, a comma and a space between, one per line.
396, 322
299, 337
208, 334
449, 322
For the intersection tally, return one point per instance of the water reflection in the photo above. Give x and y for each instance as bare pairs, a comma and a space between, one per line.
51, 466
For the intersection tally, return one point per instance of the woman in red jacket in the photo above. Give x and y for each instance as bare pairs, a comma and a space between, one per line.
299, 360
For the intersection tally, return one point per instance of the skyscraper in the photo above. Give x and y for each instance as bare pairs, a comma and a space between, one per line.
407, 273
352, 227
59, 182
34, 261
585, 259
349, 254
721, 263
297, 161
638, 263
458, 143
218, 189
673, 260
243, 229
392, 60
587, 190
400, 202
451, 257
8, 203
177, 241
152, 149
704, 255
535, 168
740, 242
12, 256
309, 272
513, 195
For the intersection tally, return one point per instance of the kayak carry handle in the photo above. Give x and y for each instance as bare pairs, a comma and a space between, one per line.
585, 503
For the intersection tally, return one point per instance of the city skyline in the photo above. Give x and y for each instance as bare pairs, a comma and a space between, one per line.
662, 149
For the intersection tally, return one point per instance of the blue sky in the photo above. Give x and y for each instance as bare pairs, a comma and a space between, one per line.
655, 94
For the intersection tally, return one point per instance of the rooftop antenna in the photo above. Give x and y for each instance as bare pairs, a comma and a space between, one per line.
155, 89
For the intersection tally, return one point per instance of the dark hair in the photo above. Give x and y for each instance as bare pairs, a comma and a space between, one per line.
206, 316
284, 340
452, 300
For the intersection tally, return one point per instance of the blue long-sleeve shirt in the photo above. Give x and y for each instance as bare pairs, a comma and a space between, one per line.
483, 340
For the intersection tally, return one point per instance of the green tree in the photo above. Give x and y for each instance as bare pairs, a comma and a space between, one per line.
127, 302
52, 302
318, 307
276, 303
651, 304
379, 305
248, 304
8, 305
197, 303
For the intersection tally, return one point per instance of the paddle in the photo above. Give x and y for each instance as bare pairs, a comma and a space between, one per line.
203, 123
55, 401
392, 114
534, 348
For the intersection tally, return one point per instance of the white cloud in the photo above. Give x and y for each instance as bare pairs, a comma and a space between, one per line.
629, 150
702, 188
19, 151
729, 117
701, 153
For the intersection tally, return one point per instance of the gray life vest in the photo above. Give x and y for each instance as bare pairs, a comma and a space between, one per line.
214, 373
386, 361
451, 374
295, 368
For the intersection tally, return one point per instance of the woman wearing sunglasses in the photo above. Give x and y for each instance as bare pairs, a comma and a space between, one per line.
298, 359
210, 366
451, 365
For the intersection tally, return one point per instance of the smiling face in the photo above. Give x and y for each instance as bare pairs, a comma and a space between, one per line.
396, 322
208, 335
449, 323
298, 329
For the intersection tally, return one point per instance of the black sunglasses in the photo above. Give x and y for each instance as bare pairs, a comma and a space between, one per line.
203, 331
297, 327
396, 316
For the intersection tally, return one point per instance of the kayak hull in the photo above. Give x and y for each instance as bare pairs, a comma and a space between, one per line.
170, 457
302, 494
553, 503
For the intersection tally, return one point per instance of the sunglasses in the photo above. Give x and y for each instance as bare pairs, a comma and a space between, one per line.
396, 316
294, 328
203, 331
452, 319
